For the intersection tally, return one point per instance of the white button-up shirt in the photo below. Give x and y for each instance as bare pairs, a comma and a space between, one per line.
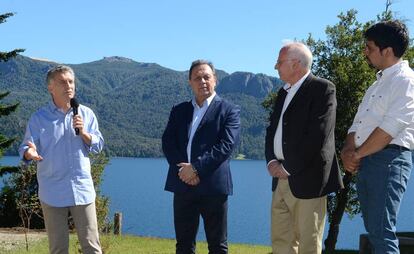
198, 114
277, 141
389, 105
291, 91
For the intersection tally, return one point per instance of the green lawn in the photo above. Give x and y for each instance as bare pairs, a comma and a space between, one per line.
144, 245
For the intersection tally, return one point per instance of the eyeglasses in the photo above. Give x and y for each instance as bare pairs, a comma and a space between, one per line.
280, 62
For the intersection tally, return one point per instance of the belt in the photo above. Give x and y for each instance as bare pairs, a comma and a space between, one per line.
394, 146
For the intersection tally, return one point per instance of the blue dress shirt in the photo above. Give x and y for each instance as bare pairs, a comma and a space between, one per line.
64, 174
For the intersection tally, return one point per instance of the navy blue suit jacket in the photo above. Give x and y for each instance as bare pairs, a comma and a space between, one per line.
211, 149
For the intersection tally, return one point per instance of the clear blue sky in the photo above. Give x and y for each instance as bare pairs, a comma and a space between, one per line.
234, 35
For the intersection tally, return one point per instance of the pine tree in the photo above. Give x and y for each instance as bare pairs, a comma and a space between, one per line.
4, 108
4, 56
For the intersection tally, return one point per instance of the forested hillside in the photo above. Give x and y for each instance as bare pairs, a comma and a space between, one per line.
132, 101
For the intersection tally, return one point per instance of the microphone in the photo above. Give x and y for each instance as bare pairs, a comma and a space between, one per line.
75, 104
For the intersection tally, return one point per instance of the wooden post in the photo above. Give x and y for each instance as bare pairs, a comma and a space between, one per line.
118, 223
364, 244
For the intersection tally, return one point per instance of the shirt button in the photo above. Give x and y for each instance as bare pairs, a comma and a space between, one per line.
285, 123
360, 121
358, 137
367, 109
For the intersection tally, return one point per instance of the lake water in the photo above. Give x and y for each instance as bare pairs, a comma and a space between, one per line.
135, 187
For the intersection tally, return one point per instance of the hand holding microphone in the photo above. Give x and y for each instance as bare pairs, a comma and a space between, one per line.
78, 123
76, 119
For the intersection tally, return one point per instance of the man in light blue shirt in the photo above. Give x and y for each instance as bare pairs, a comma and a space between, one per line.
63, 165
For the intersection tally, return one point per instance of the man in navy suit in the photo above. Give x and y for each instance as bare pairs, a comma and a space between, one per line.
198, 141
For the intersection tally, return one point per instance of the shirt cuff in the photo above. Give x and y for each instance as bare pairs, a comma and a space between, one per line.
284, 169
352, 129
94, 146
22, 151
271, 162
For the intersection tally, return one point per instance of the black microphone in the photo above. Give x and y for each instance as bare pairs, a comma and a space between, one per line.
75, 104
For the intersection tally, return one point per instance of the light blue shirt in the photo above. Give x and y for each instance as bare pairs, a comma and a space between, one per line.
198, 114
64, 174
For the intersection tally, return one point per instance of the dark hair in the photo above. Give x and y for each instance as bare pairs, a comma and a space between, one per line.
392, 34
200, 62
58, 69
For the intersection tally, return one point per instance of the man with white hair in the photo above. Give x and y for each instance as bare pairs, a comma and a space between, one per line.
300, 153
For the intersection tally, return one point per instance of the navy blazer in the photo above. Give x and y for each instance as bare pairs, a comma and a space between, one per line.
308, 139
213, 143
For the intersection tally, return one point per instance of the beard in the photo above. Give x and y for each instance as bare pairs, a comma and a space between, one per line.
370, 64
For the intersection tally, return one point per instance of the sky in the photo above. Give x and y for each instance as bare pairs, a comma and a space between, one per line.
235, 35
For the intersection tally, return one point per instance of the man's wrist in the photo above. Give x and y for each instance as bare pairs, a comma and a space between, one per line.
274, 160
358, 154
195, 171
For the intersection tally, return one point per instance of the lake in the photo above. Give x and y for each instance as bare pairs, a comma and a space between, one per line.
135, 187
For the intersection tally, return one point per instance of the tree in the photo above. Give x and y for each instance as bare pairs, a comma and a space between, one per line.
19, 200
4, 56
340, 59
6, 109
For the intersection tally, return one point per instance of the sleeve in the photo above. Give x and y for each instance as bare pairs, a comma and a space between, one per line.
400, 112
170, 140
31, 135
271, 129
269, 138
97, 141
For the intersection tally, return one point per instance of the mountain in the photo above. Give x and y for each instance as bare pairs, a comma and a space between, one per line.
132, 101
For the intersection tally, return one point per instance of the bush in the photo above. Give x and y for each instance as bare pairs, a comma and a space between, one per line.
19, 200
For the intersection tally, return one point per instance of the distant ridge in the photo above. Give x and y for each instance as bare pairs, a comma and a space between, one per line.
42, 60
132, 100
112, 59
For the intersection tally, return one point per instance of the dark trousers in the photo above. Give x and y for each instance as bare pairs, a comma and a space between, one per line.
187, 210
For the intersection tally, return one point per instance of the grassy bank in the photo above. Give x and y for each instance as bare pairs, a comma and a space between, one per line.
144, 245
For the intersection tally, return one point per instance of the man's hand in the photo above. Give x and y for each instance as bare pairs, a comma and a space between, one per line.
281, 173
187, 174
350, 160
273, 168
78, 123
194, 181
276, 170
31, 153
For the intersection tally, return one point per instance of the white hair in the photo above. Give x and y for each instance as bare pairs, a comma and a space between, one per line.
298, 50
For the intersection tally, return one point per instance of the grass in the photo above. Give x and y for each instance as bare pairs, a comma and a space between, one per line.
144, 245
240, 156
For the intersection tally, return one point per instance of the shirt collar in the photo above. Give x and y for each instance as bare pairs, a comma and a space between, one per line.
54, 108
207, 102
298, 83
388, 71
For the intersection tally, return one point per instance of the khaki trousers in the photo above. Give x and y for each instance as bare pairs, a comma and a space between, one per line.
56, 222
296, 224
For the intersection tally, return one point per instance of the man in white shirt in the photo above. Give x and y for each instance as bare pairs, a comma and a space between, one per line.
300, 154
380, 140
